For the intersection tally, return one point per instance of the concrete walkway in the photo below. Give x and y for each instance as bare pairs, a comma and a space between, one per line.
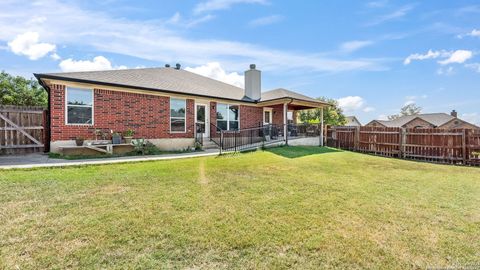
39, 160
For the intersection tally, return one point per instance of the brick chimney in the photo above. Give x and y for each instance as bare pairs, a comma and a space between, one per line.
253, 83
454, 114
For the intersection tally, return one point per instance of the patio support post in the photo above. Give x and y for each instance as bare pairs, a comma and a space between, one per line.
285, 129
321, 126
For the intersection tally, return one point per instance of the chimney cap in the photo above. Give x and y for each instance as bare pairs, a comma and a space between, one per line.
177, 66
252, 66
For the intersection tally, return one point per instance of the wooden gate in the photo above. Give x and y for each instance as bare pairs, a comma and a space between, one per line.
22, 129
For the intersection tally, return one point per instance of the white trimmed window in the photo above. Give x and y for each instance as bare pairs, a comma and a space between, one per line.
79, 107
228, 117
177, 114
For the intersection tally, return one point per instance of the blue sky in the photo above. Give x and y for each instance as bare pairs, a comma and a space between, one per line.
373, 56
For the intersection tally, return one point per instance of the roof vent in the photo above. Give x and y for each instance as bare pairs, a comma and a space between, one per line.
167, 65
177, 66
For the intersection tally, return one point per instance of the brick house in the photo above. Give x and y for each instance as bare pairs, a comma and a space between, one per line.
427, 120
163, 105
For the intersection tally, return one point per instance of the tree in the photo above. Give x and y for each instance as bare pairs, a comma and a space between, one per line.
409, 109
332, 116
16, 90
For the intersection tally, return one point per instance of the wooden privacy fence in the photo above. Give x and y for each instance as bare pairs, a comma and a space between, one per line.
22, 129
454, 146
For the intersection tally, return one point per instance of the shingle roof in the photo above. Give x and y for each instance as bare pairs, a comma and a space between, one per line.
171, 80
352, 121
161, 79
437, 119
284, 93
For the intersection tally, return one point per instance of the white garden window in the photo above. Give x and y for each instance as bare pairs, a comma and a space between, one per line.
227, 117
79, 106
177, 114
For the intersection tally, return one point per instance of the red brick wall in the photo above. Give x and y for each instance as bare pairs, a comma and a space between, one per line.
147, 115
250, 116
277, 117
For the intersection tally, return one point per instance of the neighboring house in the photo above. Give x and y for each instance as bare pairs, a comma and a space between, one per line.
427, 120
162, 105
352, 121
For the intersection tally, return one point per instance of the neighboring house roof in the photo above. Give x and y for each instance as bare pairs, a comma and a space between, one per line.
171, 80
352, 121
436, 119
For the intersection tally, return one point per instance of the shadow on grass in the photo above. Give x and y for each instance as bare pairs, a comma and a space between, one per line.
300, 151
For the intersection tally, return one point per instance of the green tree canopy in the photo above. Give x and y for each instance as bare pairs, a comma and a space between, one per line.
16, 90
409, 109
332, 116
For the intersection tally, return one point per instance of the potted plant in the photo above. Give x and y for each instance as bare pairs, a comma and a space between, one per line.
79, 141
128, 136
116, 138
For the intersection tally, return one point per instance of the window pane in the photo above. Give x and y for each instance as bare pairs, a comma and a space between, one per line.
222, 111
79, 115
233, 125
267, 117
177, 124
233, 114
201, 114
177, 107
76, 96
222, 124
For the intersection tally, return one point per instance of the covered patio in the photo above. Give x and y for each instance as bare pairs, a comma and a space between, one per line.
283, 107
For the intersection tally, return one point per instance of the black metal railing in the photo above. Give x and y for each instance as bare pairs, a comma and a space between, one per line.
303, 130
199, 131
244, 139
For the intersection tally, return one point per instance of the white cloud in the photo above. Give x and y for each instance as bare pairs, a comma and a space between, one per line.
266, 20
377, 4
71, 25
450, 57
213, 5
474, 66
351, 103
354, 45
368, 109
429, 55
473, 118
474, 33
178, 20
413, 99
55, 56
445, 71
459, 56
27, 44
215, 71
382, 117
399, 13
98, 63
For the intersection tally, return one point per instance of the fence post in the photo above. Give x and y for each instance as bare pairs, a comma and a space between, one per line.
356, 141
403, 141
221, 141
464, 146
235, 141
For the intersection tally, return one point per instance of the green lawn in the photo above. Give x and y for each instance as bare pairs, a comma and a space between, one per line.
288, 207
